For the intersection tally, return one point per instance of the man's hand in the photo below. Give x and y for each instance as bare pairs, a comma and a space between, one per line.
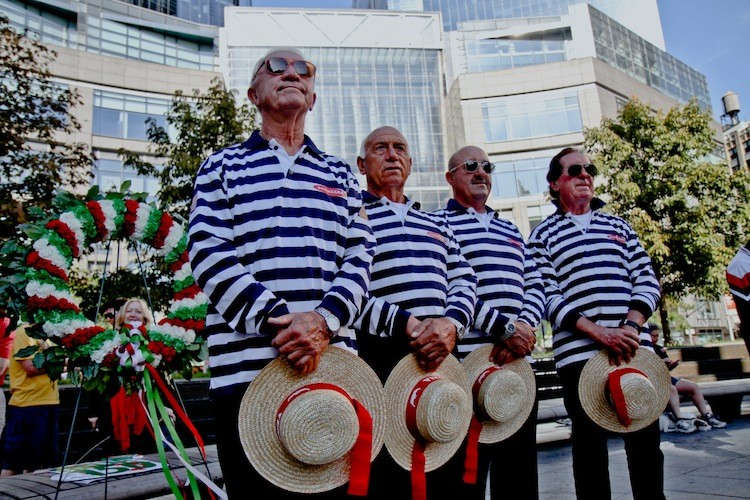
522, 341
433, 340
672, 364
301, 339
502, 355
621, 343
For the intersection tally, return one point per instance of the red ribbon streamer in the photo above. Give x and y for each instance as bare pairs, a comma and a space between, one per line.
418, 479
614, 387
177, 409
475, 429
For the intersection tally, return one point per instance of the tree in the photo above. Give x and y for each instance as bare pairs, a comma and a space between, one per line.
33, 109
690, 214
202, 124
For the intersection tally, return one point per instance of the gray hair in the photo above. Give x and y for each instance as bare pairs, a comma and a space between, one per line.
262, 60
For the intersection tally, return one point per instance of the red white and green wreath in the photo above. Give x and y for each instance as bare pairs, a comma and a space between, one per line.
109, 359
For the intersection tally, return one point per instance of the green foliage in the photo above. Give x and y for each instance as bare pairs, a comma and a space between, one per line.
690, 214
202, 124
34, 108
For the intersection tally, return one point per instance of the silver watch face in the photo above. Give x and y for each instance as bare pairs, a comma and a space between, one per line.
510, 328
333, 323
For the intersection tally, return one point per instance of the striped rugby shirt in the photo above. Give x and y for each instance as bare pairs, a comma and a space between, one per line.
271, 234
509, 285
738, 275
418, 270
599, 273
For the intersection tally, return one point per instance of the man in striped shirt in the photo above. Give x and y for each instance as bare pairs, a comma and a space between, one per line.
422, 293
510, 299
600, 289
279, 243
738, 278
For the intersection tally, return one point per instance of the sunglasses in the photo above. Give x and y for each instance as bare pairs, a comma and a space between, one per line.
472, 166
277, 65
575, 170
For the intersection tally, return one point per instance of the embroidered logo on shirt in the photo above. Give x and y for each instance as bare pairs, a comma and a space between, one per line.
437, 236
617, 238
334, 192
515, 242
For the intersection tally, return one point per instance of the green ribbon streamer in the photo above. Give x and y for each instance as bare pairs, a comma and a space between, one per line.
152, 411
154, 397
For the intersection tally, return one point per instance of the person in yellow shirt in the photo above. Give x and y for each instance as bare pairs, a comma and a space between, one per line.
31, 427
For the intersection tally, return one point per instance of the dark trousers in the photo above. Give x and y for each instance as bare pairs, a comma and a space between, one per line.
590, 454
241, 480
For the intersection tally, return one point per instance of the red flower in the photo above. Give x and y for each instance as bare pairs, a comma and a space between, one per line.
66, 233
80, 337
50, 303
187, 324
131, 214
187, 293
96, 211
161, 234
37, 262
177, 265
110, 360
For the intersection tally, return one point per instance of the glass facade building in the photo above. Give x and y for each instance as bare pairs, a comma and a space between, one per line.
361, 88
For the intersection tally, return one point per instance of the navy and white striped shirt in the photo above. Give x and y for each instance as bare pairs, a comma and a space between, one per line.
271, 234
599, 273
509, 285
418, 270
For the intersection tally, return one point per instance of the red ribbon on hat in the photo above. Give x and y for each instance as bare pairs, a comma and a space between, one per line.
475, 429
614, 387
359, 476
418, 479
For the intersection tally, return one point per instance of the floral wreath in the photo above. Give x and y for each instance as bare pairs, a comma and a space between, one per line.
109, 359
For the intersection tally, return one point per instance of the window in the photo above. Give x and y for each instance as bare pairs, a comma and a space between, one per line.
126, 116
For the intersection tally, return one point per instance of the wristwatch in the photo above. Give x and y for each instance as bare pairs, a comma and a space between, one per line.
332, 322
630, 323
510, 329
460, 329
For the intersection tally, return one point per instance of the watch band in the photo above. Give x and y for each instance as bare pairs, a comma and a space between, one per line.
631, 323
510, 329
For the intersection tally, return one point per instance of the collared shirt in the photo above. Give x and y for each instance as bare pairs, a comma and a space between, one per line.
418, 270
738, 275
509, 285
600, 273
264, 241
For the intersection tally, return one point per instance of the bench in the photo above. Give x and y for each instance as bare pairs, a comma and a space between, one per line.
722, 372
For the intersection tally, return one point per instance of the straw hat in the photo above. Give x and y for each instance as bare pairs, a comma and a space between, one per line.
303, 432
503, 395
628, 397
435, 406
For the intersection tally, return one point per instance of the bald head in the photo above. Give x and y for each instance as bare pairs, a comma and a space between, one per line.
470, 189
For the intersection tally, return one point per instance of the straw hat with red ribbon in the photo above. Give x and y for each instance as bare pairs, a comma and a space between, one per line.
313, 433
428, 416
628, 397
503, 398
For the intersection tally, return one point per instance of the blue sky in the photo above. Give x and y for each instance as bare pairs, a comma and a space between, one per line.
709, 35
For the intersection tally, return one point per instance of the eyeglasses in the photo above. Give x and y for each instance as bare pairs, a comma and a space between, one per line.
472, 166
277, 65
575, 170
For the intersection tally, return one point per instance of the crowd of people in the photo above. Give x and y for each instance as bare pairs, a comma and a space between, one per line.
295, 257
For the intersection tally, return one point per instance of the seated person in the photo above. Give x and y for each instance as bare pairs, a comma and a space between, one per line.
688, 388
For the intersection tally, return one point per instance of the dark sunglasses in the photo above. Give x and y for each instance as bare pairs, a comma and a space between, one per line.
472, 166
277, 65
575, 170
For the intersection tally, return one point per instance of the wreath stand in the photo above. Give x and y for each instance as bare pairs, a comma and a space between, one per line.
134, 358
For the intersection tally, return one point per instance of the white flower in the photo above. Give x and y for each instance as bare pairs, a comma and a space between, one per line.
173, 238
48, 251
183, 272
108, 209
141, 219
66, 327
107, 347
44, 290
190, 303
177, 332
76, 226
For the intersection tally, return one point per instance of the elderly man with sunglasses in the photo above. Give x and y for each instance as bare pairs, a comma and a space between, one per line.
600, 289
510, 303
279, 243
